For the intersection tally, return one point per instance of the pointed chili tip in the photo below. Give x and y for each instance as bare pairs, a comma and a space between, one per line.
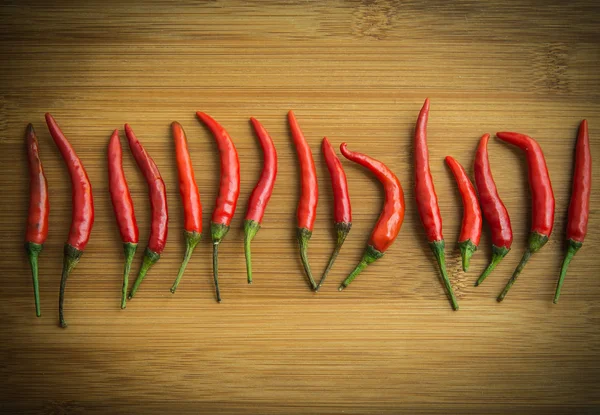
30, 130
426, 104
115, 131
344, 149
175, 124
449, 159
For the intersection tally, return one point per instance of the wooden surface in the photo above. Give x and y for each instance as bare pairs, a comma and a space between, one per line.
353, 71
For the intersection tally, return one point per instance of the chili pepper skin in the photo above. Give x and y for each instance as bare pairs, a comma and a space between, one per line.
470, 232
309, 194
579, 207
542, 198
190, 197
427, 202
39, 209
262, 192
158, 205
493, 209
229, 190
122, 206
82, 218
342, 211
392, 215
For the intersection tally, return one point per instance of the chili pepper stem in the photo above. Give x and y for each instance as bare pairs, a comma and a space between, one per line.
342, 229
536, 242
70, 259
497, 254
191, 240
33, 250
371, 255
438, 250
303, 238
218, 232
129, 248
150, 258
572, 248
251, 227
467, 248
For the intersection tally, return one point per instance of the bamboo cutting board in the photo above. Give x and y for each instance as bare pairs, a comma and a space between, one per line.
355, 71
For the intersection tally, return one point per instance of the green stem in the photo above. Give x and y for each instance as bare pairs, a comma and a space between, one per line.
33, 250
536, 242
251, 227
438, 250
129, 248
467, 248
191, 240
371, 255
70, 259
150, 258
572, 248
218, 232
497, 254
303, 238
342, 229
216, 269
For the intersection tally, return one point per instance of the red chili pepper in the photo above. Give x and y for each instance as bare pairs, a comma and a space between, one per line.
542, 199
342, 211
262, 192
470, 232
39, 208
229, 190
82, 218
158, 204
122, 206
427, 202
392, 215
190, 197
579, 208
309, 196
493, 209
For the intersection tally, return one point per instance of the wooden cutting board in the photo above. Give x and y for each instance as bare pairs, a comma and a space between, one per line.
355, 71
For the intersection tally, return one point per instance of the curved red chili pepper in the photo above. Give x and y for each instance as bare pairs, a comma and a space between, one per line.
39, 209
579, 207
470, 232
309, 194
392, 215
262, 192
542, 198
190, 198
493, 209
122, 206
229, 190
82, 218
342, 211
158, 205
427, 202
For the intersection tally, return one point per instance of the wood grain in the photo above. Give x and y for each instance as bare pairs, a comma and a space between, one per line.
355, 71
